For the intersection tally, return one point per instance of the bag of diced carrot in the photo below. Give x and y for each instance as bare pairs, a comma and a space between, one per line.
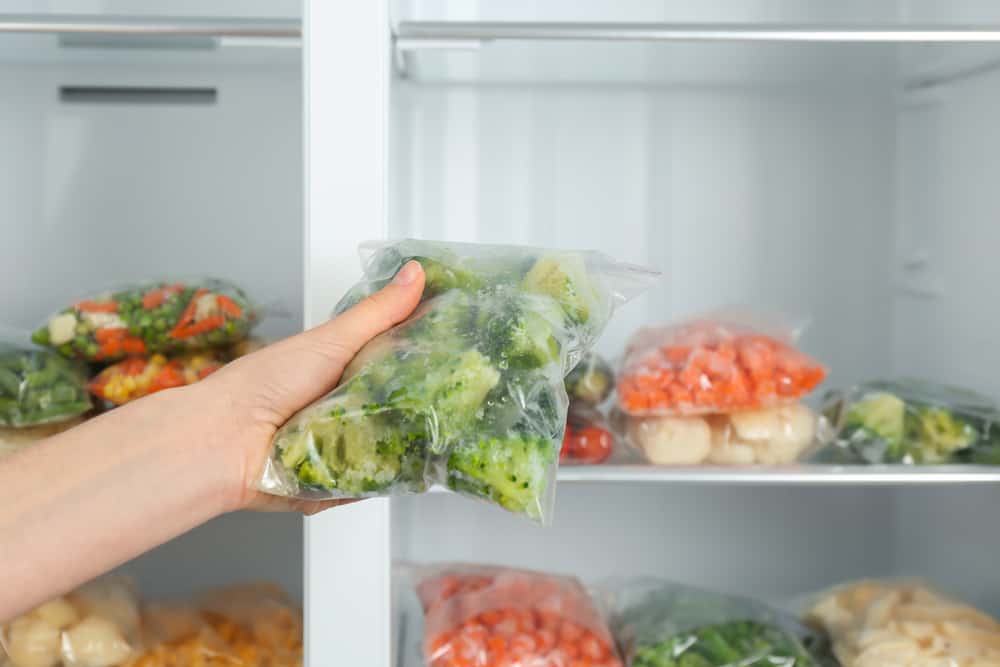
713, 364
490, 616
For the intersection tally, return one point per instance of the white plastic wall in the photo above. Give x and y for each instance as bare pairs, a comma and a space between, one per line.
99, 193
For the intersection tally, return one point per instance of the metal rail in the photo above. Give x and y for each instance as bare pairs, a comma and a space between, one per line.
411, 33
152, 26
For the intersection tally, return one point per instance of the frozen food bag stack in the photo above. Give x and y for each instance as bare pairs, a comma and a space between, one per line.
469, 391
721, 390
488, 616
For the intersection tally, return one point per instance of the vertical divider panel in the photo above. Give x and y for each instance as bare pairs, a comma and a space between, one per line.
346, 74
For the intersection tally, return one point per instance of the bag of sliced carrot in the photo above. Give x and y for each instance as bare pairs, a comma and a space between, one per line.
158, 317
713, 364
489, 616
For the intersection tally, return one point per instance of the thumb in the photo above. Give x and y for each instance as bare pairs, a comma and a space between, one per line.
351, 330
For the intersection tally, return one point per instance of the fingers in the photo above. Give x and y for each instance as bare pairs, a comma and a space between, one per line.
349, 332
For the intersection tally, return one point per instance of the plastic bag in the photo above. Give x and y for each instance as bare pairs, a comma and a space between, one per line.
136, 377
14, 439
489, 616
710, 365
39, 387
874, 624
588, 437
97, 625
253, 625
911, 421
591, 381
468, 392
153, 317
769, 436
662, 624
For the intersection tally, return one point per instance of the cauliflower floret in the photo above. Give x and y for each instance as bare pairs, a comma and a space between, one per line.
62, 328
206, 306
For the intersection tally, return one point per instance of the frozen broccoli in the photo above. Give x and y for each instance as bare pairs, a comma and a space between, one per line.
356, 451
509, 471
877, 416
563, 276
934, 434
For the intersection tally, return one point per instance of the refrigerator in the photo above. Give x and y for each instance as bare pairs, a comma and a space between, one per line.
833, 161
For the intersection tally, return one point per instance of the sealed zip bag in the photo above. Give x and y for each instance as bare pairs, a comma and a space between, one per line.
663, 624
246, 625
96, 625
904, 624
490, 616
39, 387
911, 422
149, 318
135, 377
719, 363
469, 391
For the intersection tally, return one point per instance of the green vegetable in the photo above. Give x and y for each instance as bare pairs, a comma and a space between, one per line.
468, 392
510, 471
742, 643
912, 423
39, 387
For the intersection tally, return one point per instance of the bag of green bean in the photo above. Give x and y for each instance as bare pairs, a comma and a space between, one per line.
152, 317
663, 624
39, 387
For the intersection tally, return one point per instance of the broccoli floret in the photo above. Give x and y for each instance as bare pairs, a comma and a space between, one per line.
355, 451
510, 471
933, 434
456, 391
563, 276
440, 277
877, 416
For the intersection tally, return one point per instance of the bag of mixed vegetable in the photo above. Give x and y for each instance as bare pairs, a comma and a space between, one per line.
38, 387
911, 422
160, 317
489, 616
468, 392
662, 624
135, 377
721, 389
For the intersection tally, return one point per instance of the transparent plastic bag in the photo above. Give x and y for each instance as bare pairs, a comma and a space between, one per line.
911, 422
490, 616
591, 381
468, 392
588, 439
39, 387
663, 624
135, 377
718, 363
904, 623
254, 625
149, 318
97, 625
769, 436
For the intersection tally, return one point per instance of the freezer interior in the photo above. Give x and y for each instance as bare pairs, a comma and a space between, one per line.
846, 186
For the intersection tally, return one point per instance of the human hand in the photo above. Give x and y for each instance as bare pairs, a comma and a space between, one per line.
256, 394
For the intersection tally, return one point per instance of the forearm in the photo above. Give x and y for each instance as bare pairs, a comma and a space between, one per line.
89, 499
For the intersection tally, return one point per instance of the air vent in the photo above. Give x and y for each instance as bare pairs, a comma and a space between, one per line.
136, 95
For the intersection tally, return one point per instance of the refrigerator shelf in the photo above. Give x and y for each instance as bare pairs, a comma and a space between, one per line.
799, 475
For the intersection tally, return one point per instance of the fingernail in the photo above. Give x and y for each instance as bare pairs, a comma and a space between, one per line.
407, 274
